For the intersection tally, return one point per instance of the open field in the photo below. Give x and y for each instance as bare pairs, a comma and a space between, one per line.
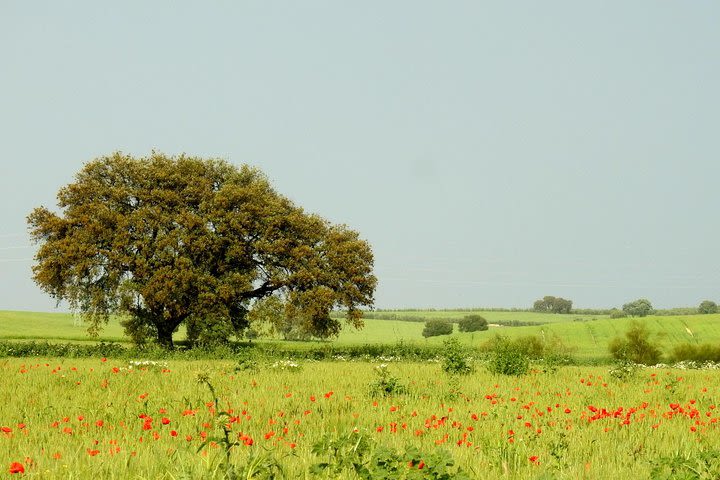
491, 316
588, 339
101, 419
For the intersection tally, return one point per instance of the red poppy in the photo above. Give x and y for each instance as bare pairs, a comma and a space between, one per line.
534, 459
17, 467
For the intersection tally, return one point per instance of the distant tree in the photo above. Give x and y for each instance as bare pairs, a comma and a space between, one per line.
617, 313
708, 306
472, 323
434, 328
171, 241
550, 304
639, 308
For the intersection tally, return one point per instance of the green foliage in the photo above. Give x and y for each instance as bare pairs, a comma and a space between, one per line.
208, 332
171, 241
248, 360
624, 370
617, 313
64, 350
706, 352
639, 308
508, 357
512, 356
698, 465
434, 328
260, 465
707, 307
472, 323
455, 358
386, 385
552, 304
636, 346
357, 454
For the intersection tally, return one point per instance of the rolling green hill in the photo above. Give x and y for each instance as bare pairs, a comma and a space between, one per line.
588, 336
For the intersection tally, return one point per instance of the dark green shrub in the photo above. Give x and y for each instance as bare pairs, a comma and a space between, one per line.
207, 332
434, 328
472, 323
616, 313
705, 352
635, 347
455, 358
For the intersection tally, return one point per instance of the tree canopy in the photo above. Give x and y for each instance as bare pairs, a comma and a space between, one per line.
638, 308
437, 327
552, 304
472, 323
184, 240
707, 306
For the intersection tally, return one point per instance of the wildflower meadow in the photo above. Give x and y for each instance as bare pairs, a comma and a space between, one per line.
108, 418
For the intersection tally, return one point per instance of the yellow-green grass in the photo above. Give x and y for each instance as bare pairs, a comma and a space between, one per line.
89, 418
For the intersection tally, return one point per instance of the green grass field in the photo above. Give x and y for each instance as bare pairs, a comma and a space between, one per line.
69, 418
588, 338
110, 418
490, 316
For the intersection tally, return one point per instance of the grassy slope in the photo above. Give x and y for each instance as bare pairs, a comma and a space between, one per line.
55, 326
588, 338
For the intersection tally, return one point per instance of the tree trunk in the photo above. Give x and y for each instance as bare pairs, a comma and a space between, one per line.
165, 333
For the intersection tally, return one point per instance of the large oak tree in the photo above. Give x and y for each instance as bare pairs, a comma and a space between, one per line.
167, 241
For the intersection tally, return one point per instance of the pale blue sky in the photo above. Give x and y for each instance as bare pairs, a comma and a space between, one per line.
490, 153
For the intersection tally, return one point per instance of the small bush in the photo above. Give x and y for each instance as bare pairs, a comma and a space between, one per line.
472, 323
616, 313
508, 358
386, 385
635, 347
551, 352
456, 360
434, 328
